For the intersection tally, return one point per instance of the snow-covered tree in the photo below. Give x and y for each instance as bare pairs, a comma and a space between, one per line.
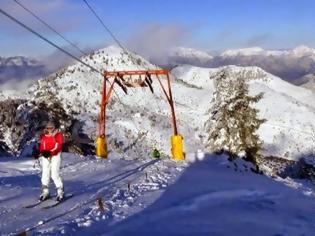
233, 121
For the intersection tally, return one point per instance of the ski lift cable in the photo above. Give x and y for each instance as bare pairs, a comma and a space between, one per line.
107, 30
52, 44
103, 24
132, 57
113, 36
50, 27
48, 41
115, 39
54, 30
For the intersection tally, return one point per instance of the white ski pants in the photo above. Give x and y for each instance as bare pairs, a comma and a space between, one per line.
51, 168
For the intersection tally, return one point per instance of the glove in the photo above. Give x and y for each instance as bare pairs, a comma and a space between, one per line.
46, 154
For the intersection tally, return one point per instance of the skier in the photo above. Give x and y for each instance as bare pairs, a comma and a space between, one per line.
50, 147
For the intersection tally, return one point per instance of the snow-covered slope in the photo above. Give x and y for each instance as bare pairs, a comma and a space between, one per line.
87, 179
140, 114
289, 109
150, 197
145, 117
211, 199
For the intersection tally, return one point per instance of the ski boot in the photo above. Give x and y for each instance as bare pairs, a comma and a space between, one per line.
45, 193
60, 194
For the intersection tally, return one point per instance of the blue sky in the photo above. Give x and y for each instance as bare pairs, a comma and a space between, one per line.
145, 25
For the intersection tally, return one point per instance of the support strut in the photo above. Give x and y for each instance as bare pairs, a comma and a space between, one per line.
177, 149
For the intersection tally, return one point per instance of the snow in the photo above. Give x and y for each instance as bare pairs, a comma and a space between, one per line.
205, 195
210, 196
289, 109
87, 179
211, 199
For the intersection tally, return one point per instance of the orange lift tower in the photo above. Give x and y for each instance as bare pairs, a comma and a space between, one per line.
125, 79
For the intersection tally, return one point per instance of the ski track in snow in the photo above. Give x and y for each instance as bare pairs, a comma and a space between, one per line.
128, 188
109, 180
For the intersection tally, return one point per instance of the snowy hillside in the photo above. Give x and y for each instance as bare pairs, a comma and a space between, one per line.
73, 95
145, 117
289, 110
151, 197
140, 115
210, 198
87, 179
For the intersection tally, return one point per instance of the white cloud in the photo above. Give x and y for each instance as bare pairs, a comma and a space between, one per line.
154, 40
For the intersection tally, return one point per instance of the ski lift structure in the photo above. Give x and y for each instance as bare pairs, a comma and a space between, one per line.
136, 79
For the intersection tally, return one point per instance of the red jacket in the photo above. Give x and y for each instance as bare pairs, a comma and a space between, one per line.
51, 143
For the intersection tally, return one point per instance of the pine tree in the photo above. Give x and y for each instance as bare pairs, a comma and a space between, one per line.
233, 121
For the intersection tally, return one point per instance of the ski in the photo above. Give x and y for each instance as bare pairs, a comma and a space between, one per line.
56, 203
36, 203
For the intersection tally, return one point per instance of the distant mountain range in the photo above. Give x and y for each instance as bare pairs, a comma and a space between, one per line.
20, 68
295, 65
291, 65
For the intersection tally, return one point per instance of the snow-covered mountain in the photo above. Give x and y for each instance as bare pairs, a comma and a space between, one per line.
290, 65
20, 68
72, 95
140, 114
18, 61
129, 180
181, 55
289, 109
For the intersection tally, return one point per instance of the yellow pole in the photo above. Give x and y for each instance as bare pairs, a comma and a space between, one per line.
177, 147
101, 147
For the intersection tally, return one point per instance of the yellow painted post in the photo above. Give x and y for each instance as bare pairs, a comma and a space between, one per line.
177, 147
101, 147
